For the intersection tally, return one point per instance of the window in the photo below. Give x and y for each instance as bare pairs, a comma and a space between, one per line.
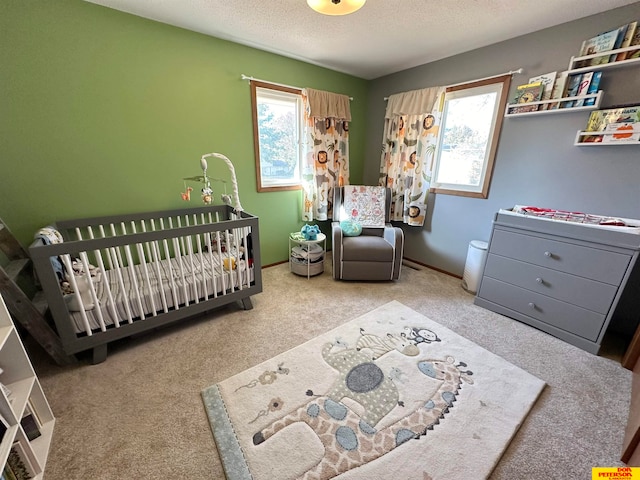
277, 136
468, 139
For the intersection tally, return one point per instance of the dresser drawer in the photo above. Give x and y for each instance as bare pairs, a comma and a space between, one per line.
567, 317
596, 264
581, 291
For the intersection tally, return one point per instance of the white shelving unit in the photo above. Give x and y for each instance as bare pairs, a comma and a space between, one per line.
612, 65
579, 141
19, 377
598, 100
307, 267
573, 70
604, 66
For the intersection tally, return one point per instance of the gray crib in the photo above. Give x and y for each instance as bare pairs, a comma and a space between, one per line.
149, 269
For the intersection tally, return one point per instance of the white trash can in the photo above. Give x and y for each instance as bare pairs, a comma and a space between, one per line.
476, 256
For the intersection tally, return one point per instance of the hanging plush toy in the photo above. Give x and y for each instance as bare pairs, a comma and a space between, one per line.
206, 190
186, 195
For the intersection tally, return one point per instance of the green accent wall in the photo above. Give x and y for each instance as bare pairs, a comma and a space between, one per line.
102, 112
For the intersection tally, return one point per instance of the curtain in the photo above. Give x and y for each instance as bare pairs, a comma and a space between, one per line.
327, 117
411, 126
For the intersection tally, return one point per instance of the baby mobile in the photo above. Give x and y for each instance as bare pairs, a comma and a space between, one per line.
205, 182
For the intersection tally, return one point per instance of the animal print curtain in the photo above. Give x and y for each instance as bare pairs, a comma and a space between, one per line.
411, 127
327, 117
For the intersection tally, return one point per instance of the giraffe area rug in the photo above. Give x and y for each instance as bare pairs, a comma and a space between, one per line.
391, 394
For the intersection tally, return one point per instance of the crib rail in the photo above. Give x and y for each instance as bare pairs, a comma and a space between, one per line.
159, 265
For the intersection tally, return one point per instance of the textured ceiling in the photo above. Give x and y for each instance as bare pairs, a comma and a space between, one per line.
383, 37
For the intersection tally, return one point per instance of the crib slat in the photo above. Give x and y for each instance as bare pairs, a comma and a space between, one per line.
155, 249
167, 256
110, 303
145, 270
209, 238
221, 264
117, 249
189, 243
120, 280
132, 273
178, 256
205, 288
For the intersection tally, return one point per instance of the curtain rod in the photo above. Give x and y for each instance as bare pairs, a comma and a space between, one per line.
247, 77
512, 72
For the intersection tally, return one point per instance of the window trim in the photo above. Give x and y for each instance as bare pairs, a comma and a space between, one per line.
482, 190
255, 84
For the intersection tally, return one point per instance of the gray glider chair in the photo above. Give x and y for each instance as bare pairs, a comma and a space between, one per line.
374, 254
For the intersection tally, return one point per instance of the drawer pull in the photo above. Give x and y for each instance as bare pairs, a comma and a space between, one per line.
532, 306
548, 254
539, 280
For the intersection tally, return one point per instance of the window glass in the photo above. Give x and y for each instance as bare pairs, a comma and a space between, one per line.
470, 127
277, 124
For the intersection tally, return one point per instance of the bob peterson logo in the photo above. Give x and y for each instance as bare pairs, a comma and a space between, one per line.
615, 473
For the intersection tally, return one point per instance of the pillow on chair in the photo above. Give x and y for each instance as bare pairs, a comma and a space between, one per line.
350, 228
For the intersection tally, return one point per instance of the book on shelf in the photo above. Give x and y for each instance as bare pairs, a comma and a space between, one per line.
573, 84
547, 80
7, 473
602, 42
583, 86
624, 132
527, 93
30, 426
28, 409
635, 40
626, 41
593, 88
559, 89
599, 119
19, 463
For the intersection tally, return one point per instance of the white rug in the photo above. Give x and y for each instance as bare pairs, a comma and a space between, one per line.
389, 395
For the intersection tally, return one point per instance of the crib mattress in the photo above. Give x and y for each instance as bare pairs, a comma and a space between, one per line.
141, 291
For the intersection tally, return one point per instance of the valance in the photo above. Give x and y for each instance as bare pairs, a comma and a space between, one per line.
321, 104
414, 102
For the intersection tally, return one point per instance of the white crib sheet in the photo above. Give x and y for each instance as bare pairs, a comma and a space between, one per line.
200, 282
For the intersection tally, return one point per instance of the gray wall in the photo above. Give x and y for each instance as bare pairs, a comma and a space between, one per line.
537, 163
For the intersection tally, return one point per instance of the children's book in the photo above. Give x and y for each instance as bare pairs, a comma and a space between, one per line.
559, 89
600, 43
593, 88
573, 84
599, 119
635, 40
626, 41
624, 132
530, 92
547, 80
583, 86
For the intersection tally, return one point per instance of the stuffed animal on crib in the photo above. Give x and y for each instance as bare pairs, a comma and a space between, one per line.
73, 304
207, 195
310, 232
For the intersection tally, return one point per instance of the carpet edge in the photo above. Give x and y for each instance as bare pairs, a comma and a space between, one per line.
234, 464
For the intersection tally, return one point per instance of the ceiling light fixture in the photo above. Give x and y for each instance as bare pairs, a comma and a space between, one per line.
336, 7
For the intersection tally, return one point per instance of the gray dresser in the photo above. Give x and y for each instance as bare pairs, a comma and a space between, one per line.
563, 278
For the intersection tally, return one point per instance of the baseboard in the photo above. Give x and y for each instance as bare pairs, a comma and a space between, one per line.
407, 262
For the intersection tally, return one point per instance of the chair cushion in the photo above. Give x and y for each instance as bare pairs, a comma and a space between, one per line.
366, 248
350, 228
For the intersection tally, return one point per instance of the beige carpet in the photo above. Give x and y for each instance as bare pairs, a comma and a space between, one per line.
139, 415
391, 393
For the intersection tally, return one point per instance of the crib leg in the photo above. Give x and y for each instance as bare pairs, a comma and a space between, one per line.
246, 303
99, 354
